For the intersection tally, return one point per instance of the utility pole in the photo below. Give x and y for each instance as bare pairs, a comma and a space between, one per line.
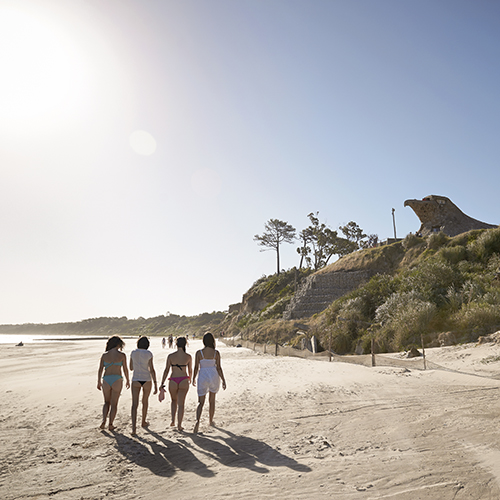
394, 222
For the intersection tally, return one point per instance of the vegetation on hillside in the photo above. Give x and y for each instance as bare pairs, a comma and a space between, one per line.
159, 325
423, 287
448, 284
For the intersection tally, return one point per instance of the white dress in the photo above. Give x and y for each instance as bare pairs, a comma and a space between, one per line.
208, 378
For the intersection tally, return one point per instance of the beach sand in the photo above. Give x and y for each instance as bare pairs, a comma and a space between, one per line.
287, 428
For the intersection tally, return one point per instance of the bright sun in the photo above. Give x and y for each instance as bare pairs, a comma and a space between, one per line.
44, 78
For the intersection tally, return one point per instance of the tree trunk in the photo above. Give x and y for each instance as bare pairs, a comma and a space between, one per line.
278, 258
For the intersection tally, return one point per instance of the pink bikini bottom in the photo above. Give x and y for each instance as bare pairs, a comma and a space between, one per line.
178, 380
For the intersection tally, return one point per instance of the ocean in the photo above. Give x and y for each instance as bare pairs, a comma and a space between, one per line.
6, 338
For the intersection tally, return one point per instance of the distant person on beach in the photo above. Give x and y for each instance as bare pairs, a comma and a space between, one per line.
163, 343
170, 341
207, 363
141, 363
181, 364
113, 361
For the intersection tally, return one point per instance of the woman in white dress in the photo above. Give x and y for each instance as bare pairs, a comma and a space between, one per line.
208, 367
141, 363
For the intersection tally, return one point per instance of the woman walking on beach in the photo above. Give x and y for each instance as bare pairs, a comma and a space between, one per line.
182, 370
113, 361
207, 362
141, 363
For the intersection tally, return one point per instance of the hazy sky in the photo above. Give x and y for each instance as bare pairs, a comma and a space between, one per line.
144, 143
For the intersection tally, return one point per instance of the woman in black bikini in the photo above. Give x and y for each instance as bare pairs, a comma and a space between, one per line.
144, 376
182, 370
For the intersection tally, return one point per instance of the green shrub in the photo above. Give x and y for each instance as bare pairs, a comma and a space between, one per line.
437, 240
412, 240
477, 319
487, 244
431, 280
403, 318
453, 255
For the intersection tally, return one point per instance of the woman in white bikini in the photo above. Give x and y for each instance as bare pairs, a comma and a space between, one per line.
113, 361
181, 365
207, 363
141, 363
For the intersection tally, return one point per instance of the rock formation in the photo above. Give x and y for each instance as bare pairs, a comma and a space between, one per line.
438, 213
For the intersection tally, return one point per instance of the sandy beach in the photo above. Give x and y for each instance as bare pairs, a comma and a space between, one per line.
286, 428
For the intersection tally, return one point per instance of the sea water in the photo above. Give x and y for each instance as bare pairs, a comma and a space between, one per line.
6, 338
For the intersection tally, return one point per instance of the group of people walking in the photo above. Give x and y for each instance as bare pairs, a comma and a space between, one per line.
206, 377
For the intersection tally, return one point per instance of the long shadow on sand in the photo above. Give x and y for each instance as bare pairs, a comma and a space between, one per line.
161, 456
241, 451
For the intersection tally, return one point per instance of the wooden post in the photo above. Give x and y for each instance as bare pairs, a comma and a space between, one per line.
423, 351
276, 350
373, 351
330, 346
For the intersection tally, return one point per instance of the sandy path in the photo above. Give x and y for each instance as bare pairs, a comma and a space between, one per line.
287, 428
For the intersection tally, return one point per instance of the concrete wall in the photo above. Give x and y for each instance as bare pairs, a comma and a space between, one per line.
320, 290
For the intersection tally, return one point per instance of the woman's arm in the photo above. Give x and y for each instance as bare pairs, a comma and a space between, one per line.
190, 367
153, 374
125, 370
99, 374
196, 363
165, 373
219, 369
131, 363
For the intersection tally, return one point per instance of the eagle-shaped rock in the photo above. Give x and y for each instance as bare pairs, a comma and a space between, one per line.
438, 213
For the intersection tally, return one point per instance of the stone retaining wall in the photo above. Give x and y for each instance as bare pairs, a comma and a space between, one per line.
320, 290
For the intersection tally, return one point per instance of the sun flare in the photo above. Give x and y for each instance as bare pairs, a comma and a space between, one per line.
43, 75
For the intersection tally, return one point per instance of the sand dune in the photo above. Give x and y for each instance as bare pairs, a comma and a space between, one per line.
286, 428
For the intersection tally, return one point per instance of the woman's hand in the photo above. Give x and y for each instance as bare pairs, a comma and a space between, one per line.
224, 384
99, 385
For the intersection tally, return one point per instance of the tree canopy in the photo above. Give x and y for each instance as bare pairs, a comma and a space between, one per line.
276, 232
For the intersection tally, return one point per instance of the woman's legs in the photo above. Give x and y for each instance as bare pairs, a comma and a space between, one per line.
136, 390
146, 390
201, 402
211, 407
173, 390
116, 390
106, 391
181, 398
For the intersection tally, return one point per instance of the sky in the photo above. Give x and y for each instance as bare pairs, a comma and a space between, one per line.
143, 144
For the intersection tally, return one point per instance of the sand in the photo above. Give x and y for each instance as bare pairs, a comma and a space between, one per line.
287, 428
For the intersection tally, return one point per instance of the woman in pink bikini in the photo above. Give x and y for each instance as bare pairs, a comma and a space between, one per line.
181, 365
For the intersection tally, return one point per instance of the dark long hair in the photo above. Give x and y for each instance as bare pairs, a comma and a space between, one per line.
181, 342
143, 343
209, 340
113, 342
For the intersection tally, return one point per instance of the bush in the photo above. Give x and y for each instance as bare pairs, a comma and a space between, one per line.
477, 319
411, 240
431, 280
403, 318
453, 255
487, 244
437, 240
